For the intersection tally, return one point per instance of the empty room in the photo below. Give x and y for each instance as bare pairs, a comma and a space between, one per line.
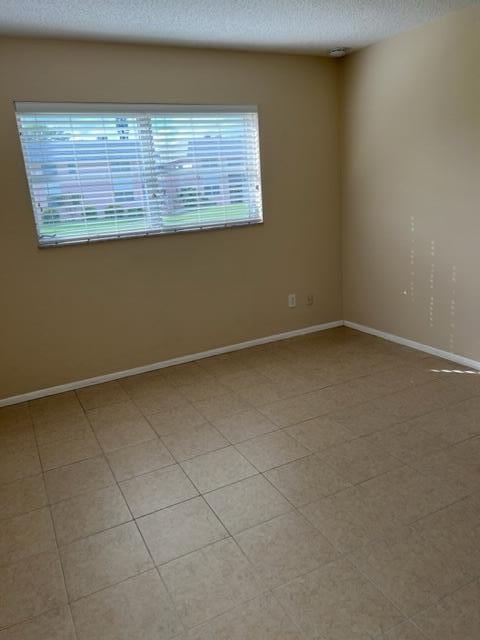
240, 320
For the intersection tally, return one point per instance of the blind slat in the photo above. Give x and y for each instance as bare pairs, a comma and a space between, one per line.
116, 108
109, 171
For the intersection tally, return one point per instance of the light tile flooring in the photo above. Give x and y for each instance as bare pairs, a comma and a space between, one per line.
320, 488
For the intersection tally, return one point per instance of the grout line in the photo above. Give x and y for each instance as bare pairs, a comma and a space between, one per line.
65, 605
49, 507
114, 584
409, 526
211, 620
176, 462
156, 569
160, 565
140, 533
198, 455
72, 386
179, 463
411, 619
202, 495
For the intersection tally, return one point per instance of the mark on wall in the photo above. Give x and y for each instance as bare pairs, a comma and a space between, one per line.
431, 306
434, 274
412, 258
453, 282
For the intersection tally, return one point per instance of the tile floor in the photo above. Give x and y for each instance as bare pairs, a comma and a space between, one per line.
320, 488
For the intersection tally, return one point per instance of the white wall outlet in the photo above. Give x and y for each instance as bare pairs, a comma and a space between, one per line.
292, 300
310, 299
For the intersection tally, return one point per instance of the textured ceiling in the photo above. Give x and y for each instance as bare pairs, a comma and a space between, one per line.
280, 25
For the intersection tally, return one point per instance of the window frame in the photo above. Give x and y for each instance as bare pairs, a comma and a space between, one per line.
22, 107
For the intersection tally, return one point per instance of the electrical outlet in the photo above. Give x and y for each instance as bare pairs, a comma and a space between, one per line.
310, 299
292, 300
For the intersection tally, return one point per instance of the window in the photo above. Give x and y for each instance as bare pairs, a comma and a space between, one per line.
97, 172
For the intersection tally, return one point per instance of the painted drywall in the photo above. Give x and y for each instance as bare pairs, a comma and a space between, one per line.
411, 185
75, 312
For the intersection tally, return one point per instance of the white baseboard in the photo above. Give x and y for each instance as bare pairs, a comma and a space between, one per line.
466, 362
117, 375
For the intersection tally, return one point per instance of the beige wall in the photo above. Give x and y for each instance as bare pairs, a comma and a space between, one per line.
74, 312
411, 185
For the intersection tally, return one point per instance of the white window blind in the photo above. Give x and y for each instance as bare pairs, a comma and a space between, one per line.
108, 171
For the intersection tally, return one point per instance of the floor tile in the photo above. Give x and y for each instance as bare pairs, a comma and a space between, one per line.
157, 490
15, 414
259, 619
68, 428
466, 378
137, 608
184, 374
305, 480
289, 382
262, 394
56, 624
100, 395
404, 495
103, 559
59, 454
26, 535
348, 393
346, 519
124, 434
360, 459
456, 616
460, 478
243, 426
284, 548
30, 587
407, 442
455, 532
19, 435
343, 444
319, 433
409, 571
89, 513
337, 603
119, 425
221, 364
441, 367
404, 631
194, 441
247, 503
18, 462
210, 582
112, 414
137, 459
397, 379
422, 399
166, 422
468, 454
290, 411
240, 379
204, 389
77, 478
22, 496
153, 400
146, 382
221, 406
180, 529
55, 407
365, 418
272, 450
217, 469
454, 423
